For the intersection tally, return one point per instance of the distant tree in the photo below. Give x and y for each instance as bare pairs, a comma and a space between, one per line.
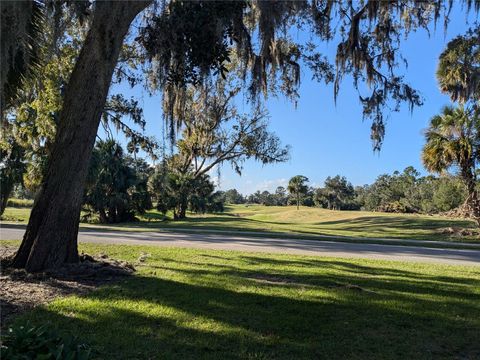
449, 193
338, 192
361, 195
232, 196
297, 188
394, 193
254, 198
419, 195
453, 141
308, 198
408, 192
320, 198
177, 191
21, 192
203, 197
156, 187
281, 196
117, 185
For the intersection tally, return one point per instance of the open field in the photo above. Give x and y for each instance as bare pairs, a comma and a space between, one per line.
194, 304
306, 221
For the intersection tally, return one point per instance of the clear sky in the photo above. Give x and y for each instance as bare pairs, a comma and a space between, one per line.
328, 140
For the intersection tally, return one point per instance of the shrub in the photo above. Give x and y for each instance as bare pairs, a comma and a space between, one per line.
20, 203
31, 342
394, 207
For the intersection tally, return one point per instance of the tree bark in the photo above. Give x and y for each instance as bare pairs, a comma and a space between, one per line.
5, 191
182, 212
51, 236
102, 216
473, 200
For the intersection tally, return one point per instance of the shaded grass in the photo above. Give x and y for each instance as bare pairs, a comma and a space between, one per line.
304, 222
196, 304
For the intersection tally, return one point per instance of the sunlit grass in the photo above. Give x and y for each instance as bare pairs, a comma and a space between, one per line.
198, 304
12, 214
313, 221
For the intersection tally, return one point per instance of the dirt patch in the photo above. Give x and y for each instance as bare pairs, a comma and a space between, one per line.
21, 291
275, 280
283, 280
351, 287
458, 231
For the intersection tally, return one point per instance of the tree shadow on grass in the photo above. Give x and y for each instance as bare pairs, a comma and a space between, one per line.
401, 221
409, 286
217, 313
363, 226
219, 220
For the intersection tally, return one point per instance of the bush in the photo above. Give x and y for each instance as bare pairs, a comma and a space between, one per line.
20, 203
31, 342
394, 207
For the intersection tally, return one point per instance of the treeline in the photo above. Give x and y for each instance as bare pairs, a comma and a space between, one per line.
401, 192
119, 187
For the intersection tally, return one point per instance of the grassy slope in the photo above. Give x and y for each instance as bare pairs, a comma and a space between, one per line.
306, 221
191, 304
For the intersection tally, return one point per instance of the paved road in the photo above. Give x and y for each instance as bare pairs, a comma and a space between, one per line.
269, 245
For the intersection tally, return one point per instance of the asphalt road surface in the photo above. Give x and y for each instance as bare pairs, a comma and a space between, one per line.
268, 245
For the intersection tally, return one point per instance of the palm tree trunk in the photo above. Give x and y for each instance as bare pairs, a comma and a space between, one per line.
51, 236
473, 205
102, 216
472, 201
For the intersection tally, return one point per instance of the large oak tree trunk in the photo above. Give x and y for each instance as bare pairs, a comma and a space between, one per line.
51, 236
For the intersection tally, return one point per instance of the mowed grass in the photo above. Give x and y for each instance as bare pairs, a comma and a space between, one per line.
306, 222
12, 214
309, 221
197, 304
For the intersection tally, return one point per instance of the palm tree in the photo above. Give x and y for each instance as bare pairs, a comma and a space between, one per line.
458, 71
297, 187
453, 141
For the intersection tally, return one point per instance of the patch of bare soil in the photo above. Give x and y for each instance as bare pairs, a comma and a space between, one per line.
351, 287
21, 291
275, 280
458, 231
283, 280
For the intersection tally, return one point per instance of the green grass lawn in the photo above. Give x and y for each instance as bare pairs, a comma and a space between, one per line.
12, 214
196, 304
304, 222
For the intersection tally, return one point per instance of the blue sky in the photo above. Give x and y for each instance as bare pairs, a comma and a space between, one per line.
328, 140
